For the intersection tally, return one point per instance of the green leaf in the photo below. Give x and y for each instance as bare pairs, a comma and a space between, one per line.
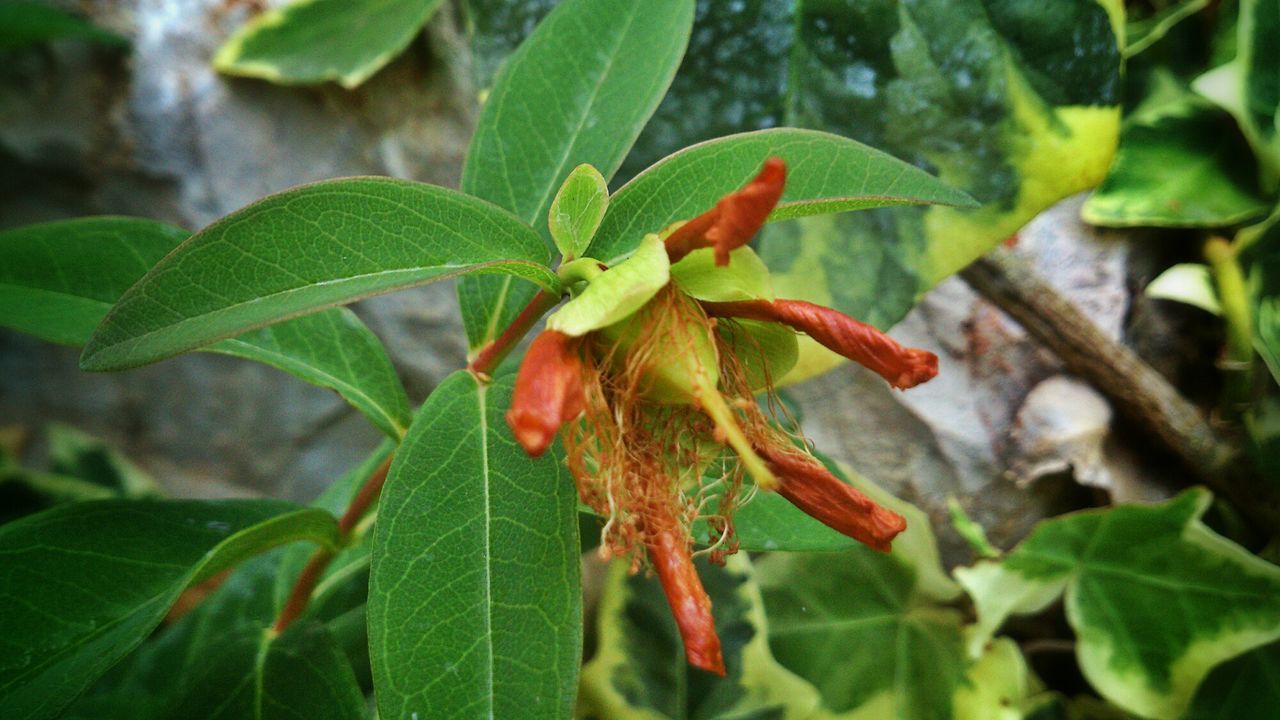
1259, 247
300, 673
475, 595
1246, 687
58, 280
639, 669
24, 23
862, 629
1142, 33
77, 454
311, 41
578, 90
306, 249
1014, 101
745, 277
1188, 283
999, 686
576, 212
1181, 163
825, 174
616, 293
1123, 568
84, 584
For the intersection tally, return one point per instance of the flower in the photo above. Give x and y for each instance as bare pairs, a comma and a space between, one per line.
651, 370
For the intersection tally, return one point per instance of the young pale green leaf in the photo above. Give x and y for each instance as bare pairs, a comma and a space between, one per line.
59, 279
311, 41
1000, 686
475, 596
1121, 567
1181, 163
639, 671
305, 249
577, 210
617, 292
299, 674
84, 584
825, 174
24, 23
861, 628
578, 90
1188, 283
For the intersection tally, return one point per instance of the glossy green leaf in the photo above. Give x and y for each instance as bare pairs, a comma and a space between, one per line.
577, 209
24, 23
825, 174
307, 249
578, 90
860, 627
59, 279
299, 674
639, 671
475, 595
1189, 283
1142, 33
495, 28
311, 41
84, 584
1246, 687
616, 293
1121, 567
1181, 163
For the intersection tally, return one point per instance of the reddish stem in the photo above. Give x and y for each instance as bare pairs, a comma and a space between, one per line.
367, 495
487, 360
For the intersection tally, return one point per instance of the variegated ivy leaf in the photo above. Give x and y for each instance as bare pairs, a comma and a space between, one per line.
639, 670
1001, 686
1119, 570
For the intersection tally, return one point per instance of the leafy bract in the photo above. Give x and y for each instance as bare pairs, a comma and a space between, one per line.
82, 585
578, 90
860, 627
59, 279
1181, 163
616, 293
24, 23
1118, 569
576, 212
306, 249
639, 669
311, 41
825, 174
475, 595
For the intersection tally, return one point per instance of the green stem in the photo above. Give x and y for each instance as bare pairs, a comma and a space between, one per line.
1233, 295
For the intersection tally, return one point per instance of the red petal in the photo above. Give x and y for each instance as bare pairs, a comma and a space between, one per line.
809, 486
688, 600
548, 391
735, 219
903, 367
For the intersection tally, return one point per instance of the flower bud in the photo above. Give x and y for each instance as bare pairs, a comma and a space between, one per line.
548, 391
689, 602
735, 219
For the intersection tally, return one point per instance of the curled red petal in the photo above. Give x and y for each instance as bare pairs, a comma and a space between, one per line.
689, 602
805, 483
548, 391
736, 217
903, 367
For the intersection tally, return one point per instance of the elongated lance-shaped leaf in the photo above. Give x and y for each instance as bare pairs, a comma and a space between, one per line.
59, 279
82, 585
825, 174
1118, 569
311, 41
24, 23
578, 90
306, 249
475, 595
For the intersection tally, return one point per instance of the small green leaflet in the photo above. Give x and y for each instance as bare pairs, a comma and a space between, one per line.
95, 578
475, 599
577, 210
59, 279
311, 41
1119, 568
307, 249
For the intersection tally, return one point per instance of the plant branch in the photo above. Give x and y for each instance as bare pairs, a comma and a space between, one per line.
313, 571
491, 355
1137, 390
1233, 295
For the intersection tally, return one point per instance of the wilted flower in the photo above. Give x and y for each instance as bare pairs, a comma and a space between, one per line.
653, 368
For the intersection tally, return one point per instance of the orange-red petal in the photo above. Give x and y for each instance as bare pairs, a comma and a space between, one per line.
548, 391
903, 367
735, 219
809, 486
689, 602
